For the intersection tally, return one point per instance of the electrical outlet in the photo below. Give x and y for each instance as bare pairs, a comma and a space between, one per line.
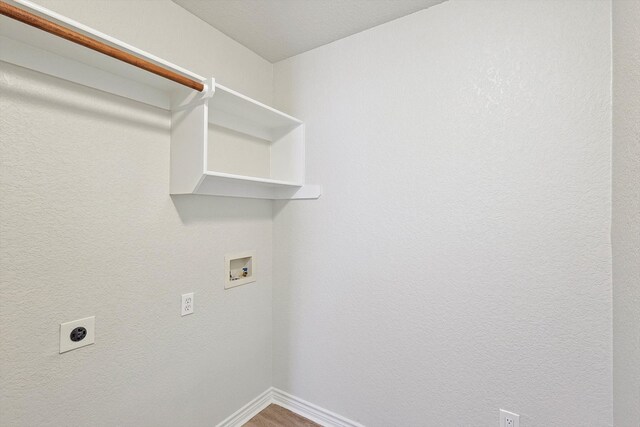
187, 304
509, 419
77, 333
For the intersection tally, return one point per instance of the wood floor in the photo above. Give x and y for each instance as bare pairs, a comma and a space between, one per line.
277, 416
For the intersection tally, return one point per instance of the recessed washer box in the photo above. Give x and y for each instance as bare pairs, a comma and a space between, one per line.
239, 269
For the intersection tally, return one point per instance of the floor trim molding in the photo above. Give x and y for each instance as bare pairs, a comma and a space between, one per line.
248, 411
322, 416
301, 407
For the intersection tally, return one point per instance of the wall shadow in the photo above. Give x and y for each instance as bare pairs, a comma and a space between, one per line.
195, 208
34, 88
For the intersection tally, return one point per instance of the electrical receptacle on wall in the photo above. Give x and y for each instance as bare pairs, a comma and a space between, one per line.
77, 333
187, 304
509, 419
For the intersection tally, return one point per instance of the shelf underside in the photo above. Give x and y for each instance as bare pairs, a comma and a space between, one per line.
29, 47
233, 110
223, 184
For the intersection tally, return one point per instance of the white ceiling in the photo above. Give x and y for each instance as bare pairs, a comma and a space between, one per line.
278, 29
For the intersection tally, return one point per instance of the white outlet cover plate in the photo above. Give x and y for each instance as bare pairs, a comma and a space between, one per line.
509, 419
187, 304
89, 323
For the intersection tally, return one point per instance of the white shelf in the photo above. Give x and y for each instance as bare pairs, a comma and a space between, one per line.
279, 171
29, 47
233, 110
279, 163
222, 184
263, 181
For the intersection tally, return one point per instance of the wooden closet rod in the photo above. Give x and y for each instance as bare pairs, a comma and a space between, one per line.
75, 37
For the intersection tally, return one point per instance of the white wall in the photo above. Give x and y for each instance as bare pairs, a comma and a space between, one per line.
459, 259
626, 213
88, 228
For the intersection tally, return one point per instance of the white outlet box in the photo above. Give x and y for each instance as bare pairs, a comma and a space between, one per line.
509, 419
187, 304
77, 333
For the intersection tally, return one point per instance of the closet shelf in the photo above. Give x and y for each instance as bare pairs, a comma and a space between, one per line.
223, 184
232, 109
264, 181
223, 143
226, 144
32, 48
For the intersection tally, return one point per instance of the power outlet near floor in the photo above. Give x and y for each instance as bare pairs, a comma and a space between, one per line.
187, 304
509, 419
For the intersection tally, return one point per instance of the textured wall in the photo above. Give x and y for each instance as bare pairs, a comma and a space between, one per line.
626, 213
87, 227
459, 259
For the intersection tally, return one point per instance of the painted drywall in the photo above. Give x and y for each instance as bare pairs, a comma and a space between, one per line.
277, 30
459, 260
625, 228
88, 228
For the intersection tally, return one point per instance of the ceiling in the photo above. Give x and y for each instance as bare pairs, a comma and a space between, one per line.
278, 29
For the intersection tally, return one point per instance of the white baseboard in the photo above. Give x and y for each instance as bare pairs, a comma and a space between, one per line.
248, 411
310, 411
301, 407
